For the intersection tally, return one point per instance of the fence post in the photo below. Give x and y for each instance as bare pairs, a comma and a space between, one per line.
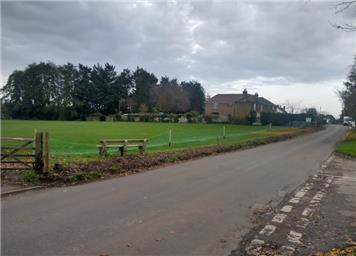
38, 165
46, 153
170, 138
224, 132
218, 140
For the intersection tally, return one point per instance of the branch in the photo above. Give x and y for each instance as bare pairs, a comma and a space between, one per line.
340, 7
346, 27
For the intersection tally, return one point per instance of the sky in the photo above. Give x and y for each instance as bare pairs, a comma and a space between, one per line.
287, 51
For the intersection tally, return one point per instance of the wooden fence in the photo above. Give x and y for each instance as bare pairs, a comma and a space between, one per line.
25, 153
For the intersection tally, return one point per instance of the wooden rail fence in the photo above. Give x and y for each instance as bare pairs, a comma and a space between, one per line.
121, 145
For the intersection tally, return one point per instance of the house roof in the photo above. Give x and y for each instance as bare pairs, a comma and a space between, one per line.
265, 101
232, 98
225, 98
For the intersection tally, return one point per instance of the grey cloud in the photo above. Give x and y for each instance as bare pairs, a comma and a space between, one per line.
211, 41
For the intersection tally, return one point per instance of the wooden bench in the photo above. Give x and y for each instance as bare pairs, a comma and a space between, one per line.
122, 145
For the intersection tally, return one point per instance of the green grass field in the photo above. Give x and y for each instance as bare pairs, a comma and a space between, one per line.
348, 145
79, 139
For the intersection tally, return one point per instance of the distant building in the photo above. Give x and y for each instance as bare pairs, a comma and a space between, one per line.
226, 107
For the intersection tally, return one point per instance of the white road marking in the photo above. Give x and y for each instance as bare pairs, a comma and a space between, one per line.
305, 190
330, 159
268, 230
300, 194
287, 250
318, 196
279, 217
314, 203
295, 200
255, 246
303, 223
287, 208
294, 237
330, 179
257, 242
340, 177
308, 212
307, 187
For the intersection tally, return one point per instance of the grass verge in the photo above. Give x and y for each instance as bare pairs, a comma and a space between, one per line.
72, 141
82, 172
348, 145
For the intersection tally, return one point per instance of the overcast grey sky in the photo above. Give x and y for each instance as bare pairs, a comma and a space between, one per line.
286, 51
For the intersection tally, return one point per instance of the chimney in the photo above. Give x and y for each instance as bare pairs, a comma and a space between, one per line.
244, 93
256, 95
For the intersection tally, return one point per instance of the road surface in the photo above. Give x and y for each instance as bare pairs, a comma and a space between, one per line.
200, 207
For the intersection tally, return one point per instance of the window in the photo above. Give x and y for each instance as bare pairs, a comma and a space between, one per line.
215, 106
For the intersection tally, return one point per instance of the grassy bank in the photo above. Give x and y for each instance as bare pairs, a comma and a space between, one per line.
87, 171
73, 141
348, 144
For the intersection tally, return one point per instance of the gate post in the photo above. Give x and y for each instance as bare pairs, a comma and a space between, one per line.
38, 164
46, 153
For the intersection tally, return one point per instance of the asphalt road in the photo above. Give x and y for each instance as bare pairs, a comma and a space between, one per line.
200, 207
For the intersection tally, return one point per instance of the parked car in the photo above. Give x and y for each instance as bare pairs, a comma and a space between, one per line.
348, 121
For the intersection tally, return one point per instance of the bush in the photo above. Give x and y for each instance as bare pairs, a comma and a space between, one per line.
115, 168
241, 121
85, 176
192, 116
31, 176
283, 119
209, 119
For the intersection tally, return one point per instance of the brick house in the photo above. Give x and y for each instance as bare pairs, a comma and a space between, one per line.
226, 107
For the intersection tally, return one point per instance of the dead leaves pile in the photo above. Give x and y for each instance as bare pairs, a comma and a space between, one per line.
348, 251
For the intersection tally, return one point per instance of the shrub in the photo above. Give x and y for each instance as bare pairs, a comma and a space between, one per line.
172, 159
209, 119
31, 176
115, 168
85, 176
283, 119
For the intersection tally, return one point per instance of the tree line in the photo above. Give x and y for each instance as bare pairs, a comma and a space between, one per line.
348, 93
74, 92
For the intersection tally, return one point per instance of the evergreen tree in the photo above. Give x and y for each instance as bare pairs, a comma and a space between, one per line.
67, 92
195, 94
348, 94
82, 93
143, 83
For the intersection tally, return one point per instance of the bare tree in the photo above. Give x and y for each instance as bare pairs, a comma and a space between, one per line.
170, 97
341, 7
293, 107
